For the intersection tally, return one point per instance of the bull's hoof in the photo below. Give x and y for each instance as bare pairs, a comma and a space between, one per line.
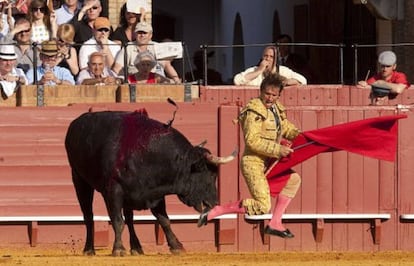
203, 219
178, 251
136, 252
118, 253
89, 252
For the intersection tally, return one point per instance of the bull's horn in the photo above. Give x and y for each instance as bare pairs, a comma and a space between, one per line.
221, 160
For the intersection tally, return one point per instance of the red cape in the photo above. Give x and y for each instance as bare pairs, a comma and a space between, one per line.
374, 137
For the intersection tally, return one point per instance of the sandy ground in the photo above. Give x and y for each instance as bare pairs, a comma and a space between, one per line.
56, 256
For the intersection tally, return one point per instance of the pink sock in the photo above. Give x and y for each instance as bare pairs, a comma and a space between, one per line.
232, 207
281, 204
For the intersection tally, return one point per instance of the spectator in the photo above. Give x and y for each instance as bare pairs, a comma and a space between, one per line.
388, 78
97, 72
144, 62
125, 32
99, 43
213, 76
66, 12
6, 20
264, 124
253, 76
10, 77
67, 56
43, 21
49, 73
84, 20
294, 61
21, 8
21, 34
144, 42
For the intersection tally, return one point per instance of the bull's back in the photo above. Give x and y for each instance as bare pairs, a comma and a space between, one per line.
97, 143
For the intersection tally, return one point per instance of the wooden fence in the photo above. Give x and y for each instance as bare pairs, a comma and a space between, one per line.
35, 178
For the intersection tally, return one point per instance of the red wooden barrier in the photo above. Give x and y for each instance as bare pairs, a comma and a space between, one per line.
35, 178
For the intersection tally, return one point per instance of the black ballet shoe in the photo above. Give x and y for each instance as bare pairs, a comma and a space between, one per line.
282, 234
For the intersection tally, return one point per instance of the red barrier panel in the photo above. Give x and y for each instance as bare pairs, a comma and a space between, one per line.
35, 177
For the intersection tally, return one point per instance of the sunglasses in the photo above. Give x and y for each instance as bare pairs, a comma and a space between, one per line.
24, 31
41, 9
103, 30
385, 66
49, 57
93, 8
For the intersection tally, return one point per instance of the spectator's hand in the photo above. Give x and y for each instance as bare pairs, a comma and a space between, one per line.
110, 81
48, 77
363, 85
89, 5
9, 78
264, 64
103, 41
21, 27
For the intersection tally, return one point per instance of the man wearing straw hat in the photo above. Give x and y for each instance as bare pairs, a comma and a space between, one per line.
49, 73
10, 77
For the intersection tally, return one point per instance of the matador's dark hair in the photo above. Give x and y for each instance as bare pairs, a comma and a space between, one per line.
272, 80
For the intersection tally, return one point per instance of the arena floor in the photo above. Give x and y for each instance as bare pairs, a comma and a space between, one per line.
56, 256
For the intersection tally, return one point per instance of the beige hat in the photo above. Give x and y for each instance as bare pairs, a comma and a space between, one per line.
143, 26
49, 48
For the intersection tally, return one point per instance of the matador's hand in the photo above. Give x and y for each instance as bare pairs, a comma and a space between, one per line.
285, 151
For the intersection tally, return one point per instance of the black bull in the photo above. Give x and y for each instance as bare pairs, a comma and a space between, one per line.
134, 162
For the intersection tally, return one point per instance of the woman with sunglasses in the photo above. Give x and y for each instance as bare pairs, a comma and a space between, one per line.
67, 56
43, 21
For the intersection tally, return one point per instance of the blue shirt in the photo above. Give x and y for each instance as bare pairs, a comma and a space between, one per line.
60, 73
63, 14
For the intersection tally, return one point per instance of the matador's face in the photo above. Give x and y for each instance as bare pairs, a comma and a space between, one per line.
270, 95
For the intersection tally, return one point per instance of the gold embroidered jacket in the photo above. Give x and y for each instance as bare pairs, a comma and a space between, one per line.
261, 134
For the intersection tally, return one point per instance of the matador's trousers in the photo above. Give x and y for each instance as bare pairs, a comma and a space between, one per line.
253, 171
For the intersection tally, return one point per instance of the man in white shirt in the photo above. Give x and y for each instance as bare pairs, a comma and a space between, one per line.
253, 76
143, 43
97, 73
10, 76
99, 43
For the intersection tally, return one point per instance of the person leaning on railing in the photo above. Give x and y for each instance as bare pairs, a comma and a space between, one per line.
387, 80
143, 43
253, 76
144, 62
97, 73
48, 73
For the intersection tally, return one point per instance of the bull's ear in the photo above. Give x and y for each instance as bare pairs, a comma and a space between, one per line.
202, 144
